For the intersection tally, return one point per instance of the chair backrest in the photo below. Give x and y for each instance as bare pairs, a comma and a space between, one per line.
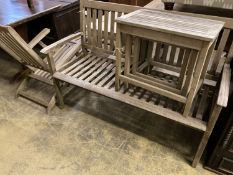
13, 44
98, 23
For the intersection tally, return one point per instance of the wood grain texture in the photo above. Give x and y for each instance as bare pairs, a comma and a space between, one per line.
194, 27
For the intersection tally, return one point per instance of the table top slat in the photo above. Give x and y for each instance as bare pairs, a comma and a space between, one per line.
193, 27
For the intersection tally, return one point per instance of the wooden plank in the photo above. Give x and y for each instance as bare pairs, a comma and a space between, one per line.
172, 55
180, 57
94, 29
190, 71
128, 51
165, 53
100, 19
89, 33
136, 52
106, 21
119, 59
184, 68
112, 30
224, 89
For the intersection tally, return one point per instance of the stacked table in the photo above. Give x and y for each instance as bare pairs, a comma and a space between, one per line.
175, 45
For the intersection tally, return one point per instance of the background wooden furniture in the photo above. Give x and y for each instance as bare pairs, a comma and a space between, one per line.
62, 22
220, 146
45, 14
132, 2
225, 4
173, 38
94, 68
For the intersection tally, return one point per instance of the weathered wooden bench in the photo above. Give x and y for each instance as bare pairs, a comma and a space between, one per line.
93, 68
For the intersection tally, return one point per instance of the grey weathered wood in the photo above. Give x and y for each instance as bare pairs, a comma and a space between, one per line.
95, 70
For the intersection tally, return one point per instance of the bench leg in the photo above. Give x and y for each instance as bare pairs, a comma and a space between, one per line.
59, 95
210, 126
169, 5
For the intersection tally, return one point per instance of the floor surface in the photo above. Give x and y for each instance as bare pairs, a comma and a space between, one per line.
93, 135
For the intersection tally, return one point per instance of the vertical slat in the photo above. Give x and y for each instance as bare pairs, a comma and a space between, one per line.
149, 55
118, 59
112, 30
100, 15
157, 51
190, 71
165, 52
137, 46
128, 52
172, 55
180, 57
89, 37
94, 30
221, 47
184, 68
106, 14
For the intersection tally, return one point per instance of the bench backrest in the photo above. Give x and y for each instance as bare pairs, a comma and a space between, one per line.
99, 33
13, 44
98, 23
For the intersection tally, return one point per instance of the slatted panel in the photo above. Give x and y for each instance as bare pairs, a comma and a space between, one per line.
100, 28
99, 72
13, 44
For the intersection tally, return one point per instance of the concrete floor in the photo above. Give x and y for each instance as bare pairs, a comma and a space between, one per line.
93, 135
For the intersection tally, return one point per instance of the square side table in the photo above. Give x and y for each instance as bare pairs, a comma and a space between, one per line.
181, 43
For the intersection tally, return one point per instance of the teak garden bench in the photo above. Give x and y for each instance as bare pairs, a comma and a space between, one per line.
93, 68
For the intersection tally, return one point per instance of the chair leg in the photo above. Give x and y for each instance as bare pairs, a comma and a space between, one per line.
51, 104
59, 95
169, 5
210, 126
21, 85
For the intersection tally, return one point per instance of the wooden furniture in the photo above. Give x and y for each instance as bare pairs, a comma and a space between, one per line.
225, 4
63, 22
14, 45
195, 37
220, 146
132, 2
44, 14
94, 68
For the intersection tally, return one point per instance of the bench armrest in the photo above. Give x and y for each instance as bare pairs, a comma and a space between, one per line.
59, 43
224, 88
38, 37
